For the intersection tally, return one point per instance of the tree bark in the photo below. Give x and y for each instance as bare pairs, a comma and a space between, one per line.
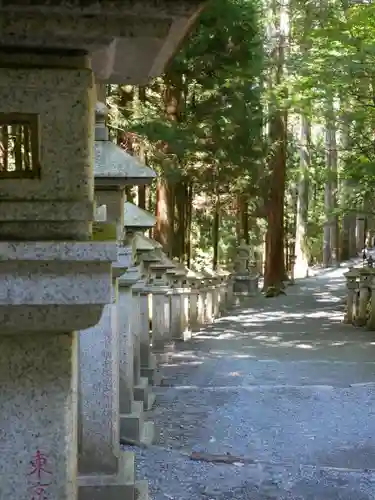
163, 231
274, 262
179, 238
216, 233
302, 261
330, 239
189, 218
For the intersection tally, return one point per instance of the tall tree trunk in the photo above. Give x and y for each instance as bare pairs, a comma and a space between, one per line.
179, 239
163, 229
173, 104
275, 265
330, 240
244, 218
348, 240
189, 218
142, 196
302, 260
215, 233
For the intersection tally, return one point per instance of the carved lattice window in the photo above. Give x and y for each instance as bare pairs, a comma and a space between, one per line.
19, 146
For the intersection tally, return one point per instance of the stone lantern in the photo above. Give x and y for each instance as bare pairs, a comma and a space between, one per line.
352, 286
242, 280
136, 220
179, 303
194, 280
114, 170
159, 286
211, 280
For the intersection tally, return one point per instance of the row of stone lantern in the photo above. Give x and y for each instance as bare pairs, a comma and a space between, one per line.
60, 390
360, 298
155, 302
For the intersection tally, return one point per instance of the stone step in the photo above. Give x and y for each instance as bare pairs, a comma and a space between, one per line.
141, 490
151, 371
143, 392
131, 424
133, 427
148, 433
111, 487
128, 467
151, 400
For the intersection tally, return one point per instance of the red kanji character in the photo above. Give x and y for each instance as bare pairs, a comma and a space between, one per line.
40, 492
39, 463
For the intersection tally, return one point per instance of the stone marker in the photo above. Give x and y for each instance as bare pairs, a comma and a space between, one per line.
133, 427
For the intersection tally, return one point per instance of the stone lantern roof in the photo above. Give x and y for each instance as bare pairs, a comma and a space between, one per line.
143, 243
128, 41
137, 219
113, 166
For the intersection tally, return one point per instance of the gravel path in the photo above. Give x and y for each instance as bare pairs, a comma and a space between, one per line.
281, 382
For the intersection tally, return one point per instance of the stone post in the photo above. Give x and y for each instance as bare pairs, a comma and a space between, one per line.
193, 280
179, 306
365, 278
160, 289
209, 311
99, 439
202, 296
215, 284
142, 389
371, 318
133, 427
351, 286
242, 281
223, 291
230, 291
146, 255
185, 311
148, 362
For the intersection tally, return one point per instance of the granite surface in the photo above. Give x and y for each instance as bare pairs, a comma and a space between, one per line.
127, 338
135, 217
38, 415
99, 393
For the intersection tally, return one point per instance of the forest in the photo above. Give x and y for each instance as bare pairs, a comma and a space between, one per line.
261, 129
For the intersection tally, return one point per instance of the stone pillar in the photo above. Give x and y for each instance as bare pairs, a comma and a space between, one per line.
360, 232
185, 312
243, 282
230, 291
223, 291
148, 362
160, 307
142, 389
133, 427
365, 279
53, 281
208, 317
193, 303
216, 297
351, 286
371, 319
99, 439
202, 303
179, 309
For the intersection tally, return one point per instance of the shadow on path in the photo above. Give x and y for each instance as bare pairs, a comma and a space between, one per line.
280, 381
